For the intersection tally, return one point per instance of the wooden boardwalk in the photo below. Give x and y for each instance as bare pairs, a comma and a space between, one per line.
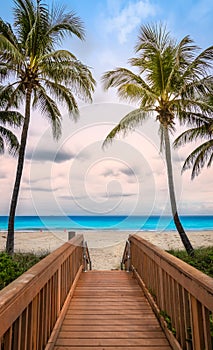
108, 311
55, 306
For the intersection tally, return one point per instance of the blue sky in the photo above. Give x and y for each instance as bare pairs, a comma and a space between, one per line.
75, 175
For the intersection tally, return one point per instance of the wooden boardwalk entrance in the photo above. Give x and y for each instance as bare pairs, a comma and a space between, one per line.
56, 306
108, 311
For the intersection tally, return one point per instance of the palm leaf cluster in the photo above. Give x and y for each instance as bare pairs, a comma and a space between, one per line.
11, 119
203, 154
172, 82
30, 61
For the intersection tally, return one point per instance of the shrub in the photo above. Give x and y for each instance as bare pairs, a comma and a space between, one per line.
12, 266
202, 259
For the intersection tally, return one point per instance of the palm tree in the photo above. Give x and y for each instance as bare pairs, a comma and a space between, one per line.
11, 119
171, 81
203, 154
40, 75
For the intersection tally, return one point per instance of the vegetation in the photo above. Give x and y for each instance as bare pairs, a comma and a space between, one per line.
8, 119
40, 76
202, 259
203, 154
167, 318
173, 84
12, 266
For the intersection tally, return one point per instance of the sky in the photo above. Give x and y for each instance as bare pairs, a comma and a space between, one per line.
75, 175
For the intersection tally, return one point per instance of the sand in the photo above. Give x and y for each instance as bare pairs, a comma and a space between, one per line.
106, 247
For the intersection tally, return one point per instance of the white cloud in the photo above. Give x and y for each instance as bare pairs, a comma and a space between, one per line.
128, 18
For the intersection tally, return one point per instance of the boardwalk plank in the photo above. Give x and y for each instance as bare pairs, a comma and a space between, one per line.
110, 328
103, 322
108, 335
111, 342
112, 348
109, 311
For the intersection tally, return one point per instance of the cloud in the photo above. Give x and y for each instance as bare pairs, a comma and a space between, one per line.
42, 189
128, 19
109, 173
178, 158
45, 155
128, 171
2, 175
71, 198
118, 195
117, 172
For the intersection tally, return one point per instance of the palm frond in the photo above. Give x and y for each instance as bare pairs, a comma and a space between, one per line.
72, 73
7, 136
193, 117
11, 96
127, 124
9, 46
130, 86
49, 109
199, 67
119, 76
7, 71
192, 88
24, 14
64, 95
181, 54
199, 157
153, 38
57, 57
11, 118
62, 23
7, 32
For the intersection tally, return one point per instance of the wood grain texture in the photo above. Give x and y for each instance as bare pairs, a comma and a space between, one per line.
109, 311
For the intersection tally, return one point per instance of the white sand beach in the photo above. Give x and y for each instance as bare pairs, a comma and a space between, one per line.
106, 246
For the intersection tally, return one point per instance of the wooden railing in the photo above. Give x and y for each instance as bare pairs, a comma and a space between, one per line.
179, 294
30, 306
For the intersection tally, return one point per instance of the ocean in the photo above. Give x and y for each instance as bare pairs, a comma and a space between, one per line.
143, 223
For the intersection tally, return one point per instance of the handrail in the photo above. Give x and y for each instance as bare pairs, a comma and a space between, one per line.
125, 262
30, 305
179, 291
86, 257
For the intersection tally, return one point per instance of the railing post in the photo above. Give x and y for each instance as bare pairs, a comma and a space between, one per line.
197, 324
59, 292
126, 259
86, 257
71, 234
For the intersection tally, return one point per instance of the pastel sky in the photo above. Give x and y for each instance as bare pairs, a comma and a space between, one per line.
75, 175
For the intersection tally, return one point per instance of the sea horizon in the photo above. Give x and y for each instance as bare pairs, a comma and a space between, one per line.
107, 222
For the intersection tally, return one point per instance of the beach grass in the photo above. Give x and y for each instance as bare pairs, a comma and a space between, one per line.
12, 266
202, 259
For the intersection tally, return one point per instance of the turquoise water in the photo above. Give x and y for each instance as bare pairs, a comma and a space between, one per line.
151, 223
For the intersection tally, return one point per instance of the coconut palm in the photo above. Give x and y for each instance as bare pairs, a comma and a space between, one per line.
41, 75
170, 83
203, 154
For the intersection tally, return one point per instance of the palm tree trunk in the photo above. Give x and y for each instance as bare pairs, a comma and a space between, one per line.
180, 229
19, 170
